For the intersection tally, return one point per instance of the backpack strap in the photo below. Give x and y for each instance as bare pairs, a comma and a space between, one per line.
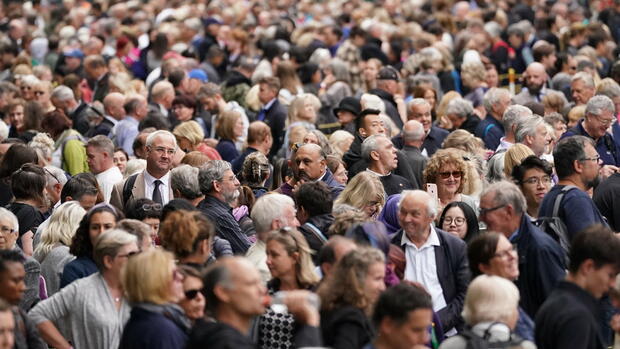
128, 188
316, 231
487, 129
564, 241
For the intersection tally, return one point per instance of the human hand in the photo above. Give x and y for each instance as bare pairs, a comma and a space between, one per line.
607, 170
298, 304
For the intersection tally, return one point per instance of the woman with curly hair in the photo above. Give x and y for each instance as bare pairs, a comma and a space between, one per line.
189, 236
347, 296
255, 172
364, 192
449, 171
100, 218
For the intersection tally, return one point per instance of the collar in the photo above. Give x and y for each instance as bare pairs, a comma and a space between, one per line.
111, 119
377, 173
150, 179
432, 240
269, 104
321, 178
113, 168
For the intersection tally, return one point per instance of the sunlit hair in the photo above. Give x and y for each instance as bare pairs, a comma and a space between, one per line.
363, 189
440, 160
62, 226
182, 231
146, 277
490, 299
294, 242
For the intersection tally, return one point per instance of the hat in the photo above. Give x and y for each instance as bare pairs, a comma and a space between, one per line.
211, 20
387, 73
75, 53
350, 104
198, 74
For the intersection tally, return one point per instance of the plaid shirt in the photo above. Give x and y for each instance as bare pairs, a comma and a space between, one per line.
226, 226
350, 54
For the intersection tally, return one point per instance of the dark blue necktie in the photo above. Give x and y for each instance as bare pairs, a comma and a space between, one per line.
261, 114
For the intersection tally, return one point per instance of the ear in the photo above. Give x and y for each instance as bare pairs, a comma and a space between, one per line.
374, 155
217, 186
221, 294
386, 326
68, 198
362, 132
587, 266
295, 256
578, 166
275, 224
205, 246
483, 268
107, 261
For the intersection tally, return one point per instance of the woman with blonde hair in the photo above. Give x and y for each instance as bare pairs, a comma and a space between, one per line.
514, 156
302, 111
154, 286
190, 136
473, 75
189, 236
340, 141
364, 192
335, 85
229, 127
53, 250
450, 172
347, 296
290, 84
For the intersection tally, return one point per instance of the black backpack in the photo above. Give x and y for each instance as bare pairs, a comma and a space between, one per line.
474, 341
554, 226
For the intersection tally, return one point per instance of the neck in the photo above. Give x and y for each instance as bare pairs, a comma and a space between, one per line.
107, 167
218, 196
156, 173
586, 127
533, 210
30, 202
221, 105
112, 280
510, 138
197, 200
513, 225
237, 321
382, 343
378, 167
416, 144
445, 196
573, 180
419, 238
577, 279
289, 282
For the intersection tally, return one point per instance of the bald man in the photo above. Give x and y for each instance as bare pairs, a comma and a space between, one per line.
535, 81
312, 166
113, 113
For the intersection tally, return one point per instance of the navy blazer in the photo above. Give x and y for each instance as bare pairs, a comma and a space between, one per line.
453, 273
334, 186
541, 265
275, 117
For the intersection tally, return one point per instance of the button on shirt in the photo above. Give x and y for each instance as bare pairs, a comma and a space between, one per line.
421, 267
164, 188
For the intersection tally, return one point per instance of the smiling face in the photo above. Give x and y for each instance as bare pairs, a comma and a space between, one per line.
422, 114
449, 180
413, 215
597, 125
536, 184
193, 302
454, 222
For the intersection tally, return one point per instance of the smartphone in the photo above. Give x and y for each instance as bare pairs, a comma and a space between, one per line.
431, 188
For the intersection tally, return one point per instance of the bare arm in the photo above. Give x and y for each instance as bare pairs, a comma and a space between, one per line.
52, 336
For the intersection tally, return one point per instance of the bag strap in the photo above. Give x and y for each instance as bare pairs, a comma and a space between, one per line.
316, 231
564, 242
487, 129
128, 188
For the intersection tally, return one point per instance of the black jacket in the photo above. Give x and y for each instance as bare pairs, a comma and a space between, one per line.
346, 328
394, 184
218, 335
453, 273
569, 318
417, 162
541, 265
390, 106
309, 230
607, 200
275, 117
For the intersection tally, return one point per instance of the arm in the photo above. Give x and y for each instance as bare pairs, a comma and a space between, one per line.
33, 271
551, 270
450, 316
579, 213
51, 310
52, 336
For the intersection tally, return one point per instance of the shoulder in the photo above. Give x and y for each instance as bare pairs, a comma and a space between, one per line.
454, 342
450, 240
344, 314
438, 131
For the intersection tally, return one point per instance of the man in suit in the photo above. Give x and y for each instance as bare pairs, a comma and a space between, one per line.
159, 114
541, 259
413, 139
418, 109
63, 98
273, 113
97, 74
154, 182
535, 85
491, 129
126, 131
311, 165
434, 258
259, 139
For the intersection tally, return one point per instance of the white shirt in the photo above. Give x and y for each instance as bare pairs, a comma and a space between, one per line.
149, 185
257, 255
421, 267
107, 179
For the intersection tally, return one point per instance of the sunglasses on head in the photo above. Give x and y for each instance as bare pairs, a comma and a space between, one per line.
191, 294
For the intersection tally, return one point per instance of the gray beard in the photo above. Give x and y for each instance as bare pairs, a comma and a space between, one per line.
231, 196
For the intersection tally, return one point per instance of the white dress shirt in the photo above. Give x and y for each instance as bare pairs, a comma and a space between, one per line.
164, 188
107, 179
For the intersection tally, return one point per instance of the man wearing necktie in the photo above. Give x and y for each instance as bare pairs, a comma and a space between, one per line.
273, 113
535, 80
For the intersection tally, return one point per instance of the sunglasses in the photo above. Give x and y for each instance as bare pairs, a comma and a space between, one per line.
455, 174
191, 294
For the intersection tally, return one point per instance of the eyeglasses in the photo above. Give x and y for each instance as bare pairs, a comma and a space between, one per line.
162, 150
6, 230
151, 207
506, 254
604, 121
537, 180
597, 158
51, 174
455, 174
231, 178
484, 211
458, 221
191, 294
128, 254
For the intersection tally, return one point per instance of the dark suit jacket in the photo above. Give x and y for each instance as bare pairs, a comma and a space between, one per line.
101, 88
417, 162
275, 117
137, 192
453, 273
335, 187
80, 118
104, 129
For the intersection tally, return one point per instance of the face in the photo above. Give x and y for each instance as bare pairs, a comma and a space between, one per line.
449, 179
12, 284
289, 217
345, 117
16, 116
8, 234
159, 155
96, 159
491, 77
454, 222
341, 175
387, 154
500, 108
239, 128
176, 284
493, 215
374, 283
42, 95
422, 114
120, 161
88, 201
154, 224
100, 222
7, 328
310, 165
590, 167
559, 128
311, 138
229, 186
142, 109
535, 79
279, 262
597, 125
413, 215
266, 93
372, 125
600, 280
115, 264
580, 92
370, 72
307, 112
429, 96
183, 112
536, 184
538, 142
193, 302
412, 333
505, 262
247, 293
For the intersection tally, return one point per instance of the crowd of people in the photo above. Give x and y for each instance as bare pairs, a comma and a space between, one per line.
286, 174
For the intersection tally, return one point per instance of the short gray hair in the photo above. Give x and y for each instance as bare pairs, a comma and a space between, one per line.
211, 172
599, 104
415, 134
527, 127
585, 77
151, 137
460, 106
184, 178
513, 114
8, 215
53, 174
369, 145
414, 102
108, 244
492, 97
506, 193
62, 93
608, 87
490, 299
102, 143
269, 208
431, 204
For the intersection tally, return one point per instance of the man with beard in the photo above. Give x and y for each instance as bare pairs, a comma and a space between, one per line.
312, 166
210, 97
577, 165
154, 182
221, 188
535, 80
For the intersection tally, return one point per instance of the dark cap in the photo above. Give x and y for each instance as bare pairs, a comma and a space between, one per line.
388, 73
350, 104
